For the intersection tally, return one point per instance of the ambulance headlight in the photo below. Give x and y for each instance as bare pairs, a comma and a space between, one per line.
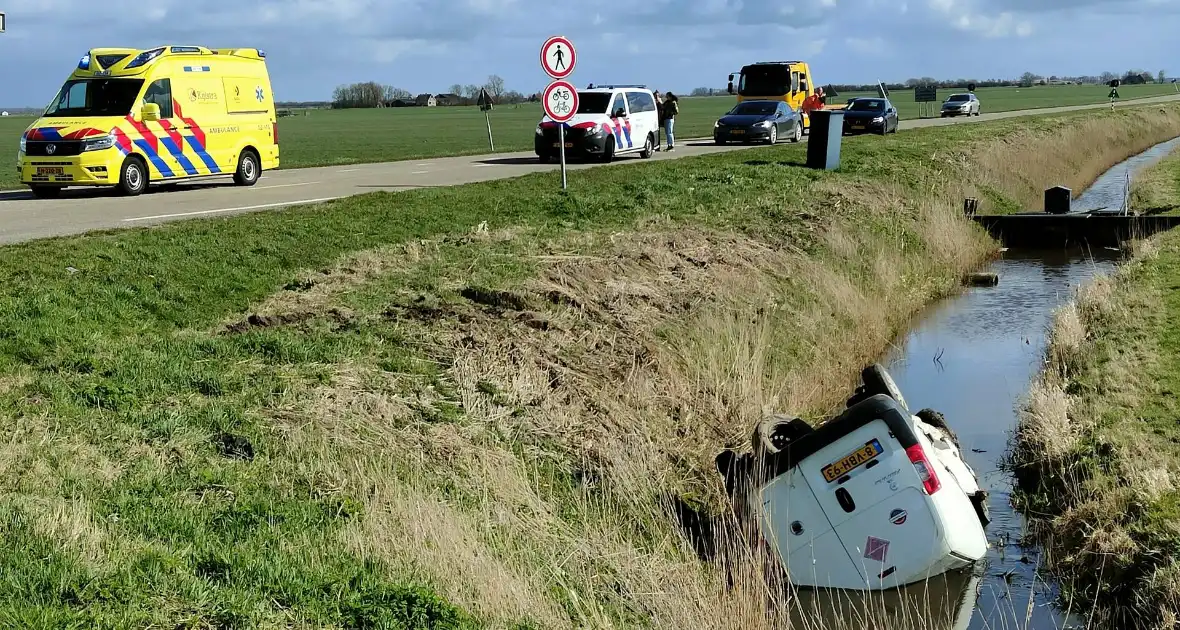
98, 144
22, 143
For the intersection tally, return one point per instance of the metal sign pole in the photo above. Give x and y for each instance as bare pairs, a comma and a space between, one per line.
561, 150
491, 143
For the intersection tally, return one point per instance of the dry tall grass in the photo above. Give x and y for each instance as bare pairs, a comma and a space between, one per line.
1157, 189
1071, 153
1092, 469
596, 395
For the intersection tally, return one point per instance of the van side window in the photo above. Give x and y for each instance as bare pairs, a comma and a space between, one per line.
619, 102
794, 81
803, 82
160, 93
640, 102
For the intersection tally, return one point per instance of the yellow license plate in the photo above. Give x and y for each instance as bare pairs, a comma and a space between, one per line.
738, 131
50, 170
568, 145
858, 127
852, 461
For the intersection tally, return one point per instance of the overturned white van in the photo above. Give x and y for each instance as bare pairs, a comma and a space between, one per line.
874, 498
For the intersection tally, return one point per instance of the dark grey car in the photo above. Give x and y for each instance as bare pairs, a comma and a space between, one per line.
765, 121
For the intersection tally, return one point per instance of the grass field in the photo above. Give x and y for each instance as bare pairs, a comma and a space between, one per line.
1098, 451
461, 407
325, 137
1156, 190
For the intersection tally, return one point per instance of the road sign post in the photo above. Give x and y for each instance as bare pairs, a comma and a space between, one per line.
561, 103
485, 106
560, 98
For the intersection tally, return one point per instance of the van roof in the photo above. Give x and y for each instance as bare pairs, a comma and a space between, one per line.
612, 88
133, 61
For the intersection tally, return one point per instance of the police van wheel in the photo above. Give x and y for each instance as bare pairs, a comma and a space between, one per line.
248, 169
608, 152
648, 148
46, 192
133, 177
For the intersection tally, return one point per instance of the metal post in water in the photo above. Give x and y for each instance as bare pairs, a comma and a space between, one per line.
561, 149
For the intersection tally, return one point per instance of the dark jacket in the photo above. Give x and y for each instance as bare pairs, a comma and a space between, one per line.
670, 109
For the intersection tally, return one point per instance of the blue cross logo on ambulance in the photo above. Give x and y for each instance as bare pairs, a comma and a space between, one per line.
611, 120
125, 118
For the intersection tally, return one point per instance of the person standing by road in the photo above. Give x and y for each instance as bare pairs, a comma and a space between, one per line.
670, 110
660, 117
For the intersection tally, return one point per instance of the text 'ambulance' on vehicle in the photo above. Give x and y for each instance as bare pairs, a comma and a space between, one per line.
128, 117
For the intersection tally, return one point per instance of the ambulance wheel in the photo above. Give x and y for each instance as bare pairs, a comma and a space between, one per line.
46, 192
608, 152
248, 169
877, 381
648, 148
133, 177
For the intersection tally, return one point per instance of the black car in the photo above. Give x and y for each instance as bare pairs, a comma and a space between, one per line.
870, 115
766, 121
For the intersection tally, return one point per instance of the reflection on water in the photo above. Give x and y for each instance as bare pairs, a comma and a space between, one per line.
1111, 189
973, 358
943, 602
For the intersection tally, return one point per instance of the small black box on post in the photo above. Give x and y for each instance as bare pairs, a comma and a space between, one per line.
823, 148
1057, 200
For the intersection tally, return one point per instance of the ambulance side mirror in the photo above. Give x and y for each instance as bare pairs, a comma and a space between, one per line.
150, 112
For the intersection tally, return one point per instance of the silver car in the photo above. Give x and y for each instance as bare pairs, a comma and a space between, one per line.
960, 105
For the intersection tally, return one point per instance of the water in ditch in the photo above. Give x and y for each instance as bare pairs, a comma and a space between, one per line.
1111, 190
973, 358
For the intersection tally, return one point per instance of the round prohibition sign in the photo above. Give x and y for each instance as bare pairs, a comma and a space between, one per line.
561, 101
558, 57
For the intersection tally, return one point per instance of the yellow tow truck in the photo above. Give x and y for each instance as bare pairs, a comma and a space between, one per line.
788, 81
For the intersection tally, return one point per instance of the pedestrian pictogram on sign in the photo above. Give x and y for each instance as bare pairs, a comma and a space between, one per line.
561, 101
558, 57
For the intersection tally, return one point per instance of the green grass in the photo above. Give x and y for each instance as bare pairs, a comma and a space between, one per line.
1156, 190
324, 137
1107, 498
388, 386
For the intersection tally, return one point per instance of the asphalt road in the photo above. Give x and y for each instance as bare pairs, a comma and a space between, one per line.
80, 210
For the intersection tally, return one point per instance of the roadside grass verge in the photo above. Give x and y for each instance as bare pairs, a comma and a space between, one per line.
473, 406
1156, 190
1096, 452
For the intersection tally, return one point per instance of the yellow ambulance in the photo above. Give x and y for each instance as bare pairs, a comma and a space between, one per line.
126, 118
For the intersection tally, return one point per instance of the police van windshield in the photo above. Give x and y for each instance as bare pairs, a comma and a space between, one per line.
95, 97
593, 102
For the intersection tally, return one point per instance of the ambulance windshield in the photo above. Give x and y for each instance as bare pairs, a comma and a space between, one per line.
95, 97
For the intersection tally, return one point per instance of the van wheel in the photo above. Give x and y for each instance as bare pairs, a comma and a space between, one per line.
648, 148
249, 169
608, 152
133, 177
877, 381
46, 192
776, 432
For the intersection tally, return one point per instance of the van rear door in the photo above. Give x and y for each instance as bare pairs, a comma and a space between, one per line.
876, 502
795, 526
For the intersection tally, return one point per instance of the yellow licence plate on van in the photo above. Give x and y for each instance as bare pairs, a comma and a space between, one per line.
50, 170
852, 461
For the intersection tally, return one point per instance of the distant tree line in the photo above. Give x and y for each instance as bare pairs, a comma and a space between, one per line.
374, 95
1028, 79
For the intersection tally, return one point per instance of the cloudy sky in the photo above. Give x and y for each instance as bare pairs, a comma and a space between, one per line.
427, 45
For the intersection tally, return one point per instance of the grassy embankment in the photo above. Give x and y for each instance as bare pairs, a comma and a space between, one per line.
326, 138
1156, 190
1098, 451
457, 407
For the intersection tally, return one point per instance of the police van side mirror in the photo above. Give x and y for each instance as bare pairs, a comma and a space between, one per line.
619, 113
150, 112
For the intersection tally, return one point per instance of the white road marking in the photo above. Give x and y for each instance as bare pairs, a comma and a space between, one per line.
285, 185
419, 172
240, 208
425, 164
348, 170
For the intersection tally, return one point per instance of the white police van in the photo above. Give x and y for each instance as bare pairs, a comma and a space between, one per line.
875, 498
611, 120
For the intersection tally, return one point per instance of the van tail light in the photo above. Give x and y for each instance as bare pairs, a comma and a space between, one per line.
275, 130
924, 469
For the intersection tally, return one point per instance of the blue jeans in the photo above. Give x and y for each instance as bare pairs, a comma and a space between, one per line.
671, 139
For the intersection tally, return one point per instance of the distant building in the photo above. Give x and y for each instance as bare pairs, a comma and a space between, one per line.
3, 113
426, 100
448, 99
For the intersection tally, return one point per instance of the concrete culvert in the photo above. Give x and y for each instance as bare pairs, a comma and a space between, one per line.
982, 279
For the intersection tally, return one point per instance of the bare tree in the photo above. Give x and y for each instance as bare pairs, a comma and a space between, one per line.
495, 85
470, 90
457, 89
